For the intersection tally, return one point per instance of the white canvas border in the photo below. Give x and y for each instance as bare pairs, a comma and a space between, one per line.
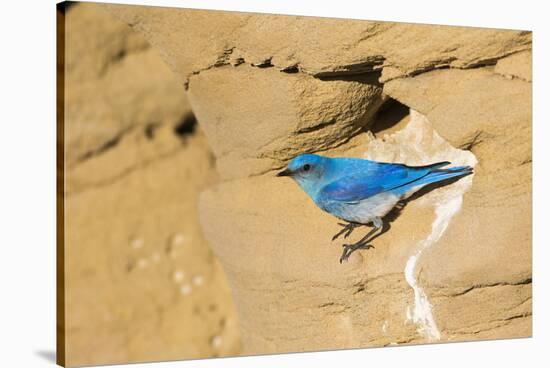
27, 195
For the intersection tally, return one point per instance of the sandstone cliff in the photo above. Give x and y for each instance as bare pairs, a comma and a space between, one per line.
266, 87
141, 281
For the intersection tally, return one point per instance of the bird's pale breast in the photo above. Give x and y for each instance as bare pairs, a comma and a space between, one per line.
363, 211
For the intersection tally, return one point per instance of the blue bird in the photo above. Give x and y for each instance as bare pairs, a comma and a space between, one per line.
360, 191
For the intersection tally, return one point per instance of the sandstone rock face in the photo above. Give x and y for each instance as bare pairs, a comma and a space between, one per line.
456, 263
141, 281
306, 116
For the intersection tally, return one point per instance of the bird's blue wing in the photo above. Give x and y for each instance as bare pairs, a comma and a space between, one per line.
364, 184
349, 189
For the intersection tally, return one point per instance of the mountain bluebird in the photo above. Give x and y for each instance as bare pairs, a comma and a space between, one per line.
360, 191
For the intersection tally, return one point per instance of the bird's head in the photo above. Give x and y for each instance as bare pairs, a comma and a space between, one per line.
307, 170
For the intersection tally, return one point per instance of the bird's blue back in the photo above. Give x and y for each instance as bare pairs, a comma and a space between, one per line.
352, 179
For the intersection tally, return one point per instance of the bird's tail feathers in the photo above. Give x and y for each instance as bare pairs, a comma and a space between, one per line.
444, 174
437, 165
456, 169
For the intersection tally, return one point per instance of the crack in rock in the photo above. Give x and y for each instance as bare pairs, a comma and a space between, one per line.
419, 144
371, 64
421, 313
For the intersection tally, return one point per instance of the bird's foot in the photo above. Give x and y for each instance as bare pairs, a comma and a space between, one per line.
350, 248
347, 229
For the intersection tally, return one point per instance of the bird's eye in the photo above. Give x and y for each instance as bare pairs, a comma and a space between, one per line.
306, 167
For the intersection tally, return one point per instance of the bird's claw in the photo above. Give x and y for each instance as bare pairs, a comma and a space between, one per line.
350, 248
337, 235
347, 229
344, 256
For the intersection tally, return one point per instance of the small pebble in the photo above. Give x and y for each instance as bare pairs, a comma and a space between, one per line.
142, 263
136, 243
185, 289
216, 341
178, 239
197, 280
178, 276
174, 242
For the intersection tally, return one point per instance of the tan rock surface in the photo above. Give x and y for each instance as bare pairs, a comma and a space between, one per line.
141, 281
105, 62
516, 66
307, 114
486, 249
290, 291
311, 44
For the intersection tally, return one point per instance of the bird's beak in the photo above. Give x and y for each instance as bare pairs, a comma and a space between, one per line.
285, 172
